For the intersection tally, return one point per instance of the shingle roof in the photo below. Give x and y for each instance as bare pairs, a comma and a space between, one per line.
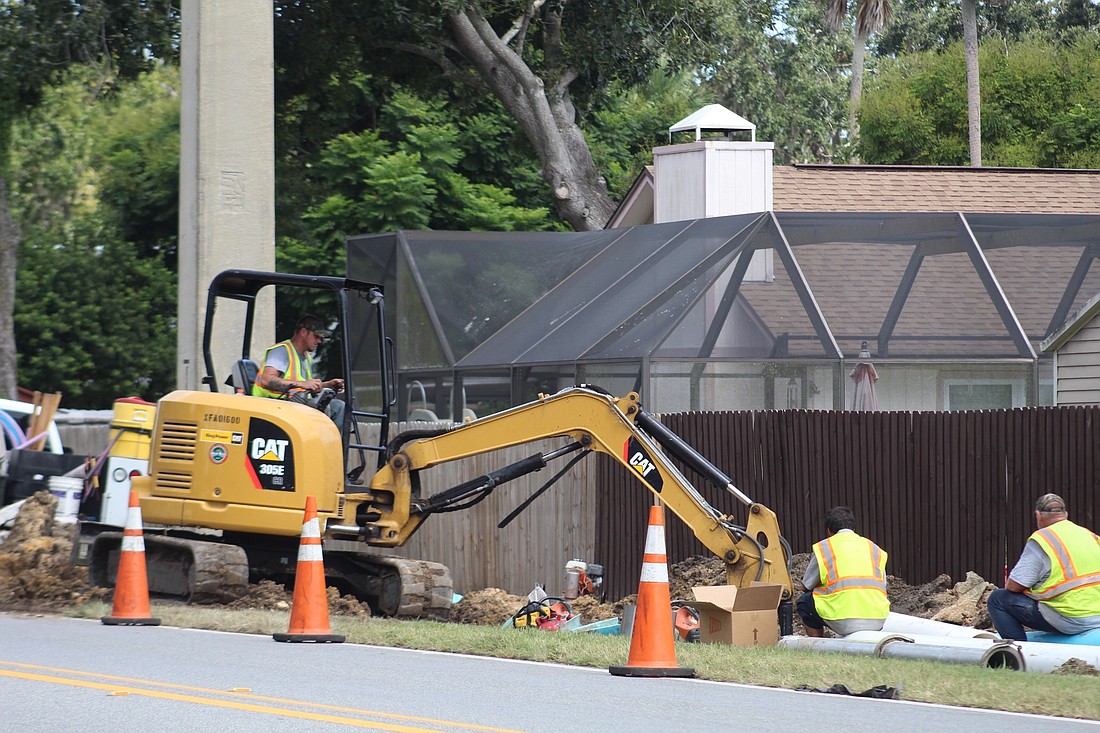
923, 188
854, 283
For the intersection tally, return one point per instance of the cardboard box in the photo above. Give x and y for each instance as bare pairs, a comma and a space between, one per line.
739, 616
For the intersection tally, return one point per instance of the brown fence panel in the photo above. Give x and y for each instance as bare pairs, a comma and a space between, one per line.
943, 493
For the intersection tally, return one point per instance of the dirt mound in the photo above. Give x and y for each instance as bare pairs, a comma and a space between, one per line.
267, 595
35, 568
347, 605
1077, 666
488, 607
271, 596
591, 609
697, 570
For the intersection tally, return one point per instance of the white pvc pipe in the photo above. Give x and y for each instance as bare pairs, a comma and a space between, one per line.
877, 637
839, 645
997, 654
1038, 656
899, 623
1044, 657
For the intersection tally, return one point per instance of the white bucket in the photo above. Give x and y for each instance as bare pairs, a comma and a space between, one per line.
67, 490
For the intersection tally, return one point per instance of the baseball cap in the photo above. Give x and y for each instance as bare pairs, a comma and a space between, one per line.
1050, 503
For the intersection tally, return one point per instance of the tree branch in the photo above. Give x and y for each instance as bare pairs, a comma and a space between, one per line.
521, 24
450, 69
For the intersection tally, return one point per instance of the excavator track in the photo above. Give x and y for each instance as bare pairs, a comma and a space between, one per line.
394, 586
200, 571
189, 570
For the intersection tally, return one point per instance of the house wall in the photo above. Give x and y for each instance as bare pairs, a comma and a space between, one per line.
1078, 367
679, 386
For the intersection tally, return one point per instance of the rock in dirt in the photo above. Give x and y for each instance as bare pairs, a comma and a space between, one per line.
968, 607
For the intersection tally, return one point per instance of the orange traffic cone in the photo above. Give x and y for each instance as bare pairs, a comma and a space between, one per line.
309, 614
652, 652
131, 606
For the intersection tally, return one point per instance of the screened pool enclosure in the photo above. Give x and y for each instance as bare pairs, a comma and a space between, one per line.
951, 306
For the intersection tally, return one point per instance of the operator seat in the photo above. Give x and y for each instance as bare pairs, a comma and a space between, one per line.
242, 376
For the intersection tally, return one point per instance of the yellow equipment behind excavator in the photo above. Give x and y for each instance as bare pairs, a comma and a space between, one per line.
229, 474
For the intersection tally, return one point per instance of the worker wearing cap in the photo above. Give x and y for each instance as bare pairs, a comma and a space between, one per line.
1055, 585
287, 372
845, 581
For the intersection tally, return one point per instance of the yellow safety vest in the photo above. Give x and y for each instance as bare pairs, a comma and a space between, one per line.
853, 574
298, 370
1073, 586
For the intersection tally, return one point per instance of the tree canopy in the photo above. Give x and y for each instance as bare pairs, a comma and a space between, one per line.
1040, 106
446, 115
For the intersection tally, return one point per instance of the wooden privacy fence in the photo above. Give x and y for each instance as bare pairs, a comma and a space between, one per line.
941, 492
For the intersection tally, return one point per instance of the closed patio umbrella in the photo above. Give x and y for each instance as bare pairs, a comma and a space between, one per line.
864, 376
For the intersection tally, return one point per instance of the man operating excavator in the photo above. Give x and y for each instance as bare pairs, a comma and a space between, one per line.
287, 371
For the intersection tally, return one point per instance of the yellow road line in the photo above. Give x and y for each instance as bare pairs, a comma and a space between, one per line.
246, 706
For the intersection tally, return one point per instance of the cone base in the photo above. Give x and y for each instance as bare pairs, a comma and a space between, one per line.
316, 638
624, 671
124, 621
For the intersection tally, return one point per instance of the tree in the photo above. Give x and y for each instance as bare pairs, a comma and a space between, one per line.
871, 16
780, 69
96, 311
410, 173
1039, 110
973, 82
539, 58
635, 119
38, 40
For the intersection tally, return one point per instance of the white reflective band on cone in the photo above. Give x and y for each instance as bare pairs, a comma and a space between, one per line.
133, 544
654, 572
312, 528
133, 517
655, 540
309, 553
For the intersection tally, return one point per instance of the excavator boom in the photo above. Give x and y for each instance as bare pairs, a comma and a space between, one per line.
588, 420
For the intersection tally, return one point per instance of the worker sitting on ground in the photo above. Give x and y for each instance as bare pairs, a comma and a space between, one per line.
845, 581
287, 372
1055, 585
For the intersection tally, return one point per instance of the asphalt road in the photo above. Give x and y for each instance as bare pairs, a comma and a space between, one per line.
61, 675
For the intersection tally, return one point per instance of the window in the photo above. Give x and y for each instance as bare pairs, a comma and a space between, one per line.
974, 394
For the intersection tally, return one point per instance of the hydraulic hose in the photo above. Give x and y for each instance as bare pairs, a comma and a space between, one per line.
676, 445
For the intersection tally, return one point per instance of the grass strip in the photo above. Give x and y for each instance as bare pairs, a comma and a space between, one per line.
1072, 696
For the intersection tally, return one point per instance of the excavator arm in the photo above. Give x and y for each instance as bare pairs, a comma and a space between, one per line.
392, 509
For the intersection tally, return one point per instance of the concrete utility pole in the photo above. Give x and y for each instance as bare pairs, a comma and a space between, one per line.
227, 172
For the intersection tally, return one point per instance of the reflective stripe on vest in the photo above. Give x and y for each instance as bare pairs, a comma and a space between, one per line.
853, 573
297, 370
1073, 586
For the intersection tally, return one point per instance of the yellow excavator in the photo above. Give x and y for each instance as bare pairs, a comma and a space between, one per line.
228, 474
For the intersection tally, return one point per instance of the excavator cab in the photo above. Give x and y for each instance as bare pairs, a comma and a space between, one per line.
363, 354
